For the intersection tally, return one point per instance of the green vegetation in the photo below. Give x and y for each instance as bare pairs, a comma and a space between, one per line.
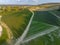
4, 37
44, 29
43, 21
17, 22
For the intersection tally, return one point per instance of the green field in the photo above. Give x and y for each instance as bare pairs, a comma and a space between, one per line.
44, 28
17, 22
38, 34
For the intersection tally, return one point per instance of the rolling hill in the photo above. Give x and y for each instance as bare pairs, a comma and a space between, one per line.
43, 30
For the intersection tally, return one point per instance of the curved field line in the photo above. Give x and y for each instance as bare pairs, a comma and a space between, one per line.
54, 14
41, 34
10, 35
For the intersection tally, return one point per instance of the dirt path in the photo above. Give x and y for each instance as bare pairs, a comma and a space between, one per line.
9, 33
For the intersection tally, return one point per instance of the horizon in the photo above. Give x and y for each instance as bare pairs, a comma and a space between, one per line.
27, 2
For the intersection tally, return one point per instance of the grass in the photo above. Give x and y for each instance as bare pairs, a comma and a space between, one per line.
37, 27
42, 20
4, 37
16, 21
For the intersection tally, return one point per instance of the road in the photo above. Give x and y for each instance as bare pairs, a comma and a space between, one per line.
20, 39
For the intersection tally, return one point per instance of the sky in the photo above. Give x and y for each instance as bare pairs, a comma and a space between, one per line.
27, 2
